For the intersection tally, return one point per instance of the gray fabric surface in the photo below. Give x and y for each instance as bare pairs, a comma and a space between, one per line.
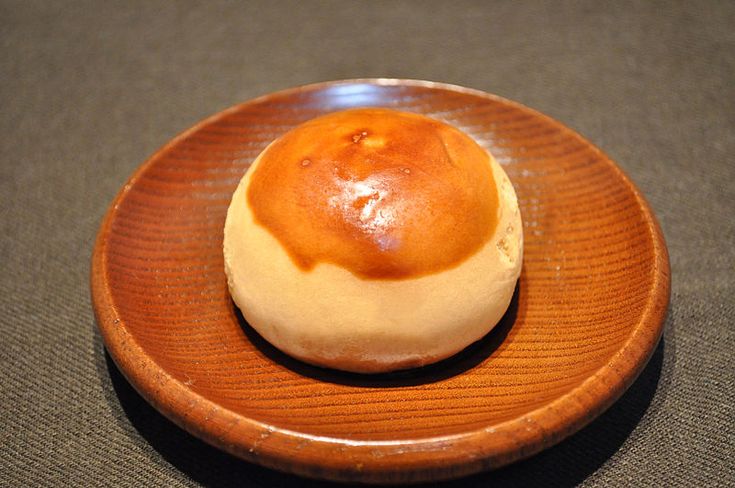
89, 90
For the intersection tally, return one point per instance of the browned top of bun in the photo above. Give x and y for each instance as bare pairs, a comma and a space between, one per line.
381, 193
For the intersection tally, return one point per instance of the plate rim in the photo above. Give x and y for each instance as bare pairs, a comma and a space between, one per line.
430, 458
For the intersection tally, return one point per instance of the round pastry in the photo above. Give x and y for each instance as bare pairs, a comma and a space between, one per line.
372, 240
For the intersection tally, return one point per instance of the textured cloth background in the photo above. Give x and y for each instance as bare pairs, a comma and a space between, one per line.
89, 90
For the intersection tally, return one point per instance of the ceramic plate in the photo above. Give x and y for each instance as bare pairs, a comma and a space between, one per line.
587, 313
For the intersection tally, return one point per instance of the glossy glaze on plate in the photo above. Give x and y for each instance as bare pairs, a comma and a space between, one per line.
407, 195
587, 313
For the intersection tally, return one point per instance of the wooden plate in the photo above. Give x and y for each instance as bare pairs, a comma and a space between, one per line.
587, 314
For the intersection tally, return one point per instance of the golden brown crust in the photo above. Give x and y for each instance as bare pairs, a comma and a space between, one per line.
381, 193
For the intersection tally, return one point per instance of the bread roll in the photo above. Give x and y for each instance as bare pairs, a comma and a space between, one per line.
371, 240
